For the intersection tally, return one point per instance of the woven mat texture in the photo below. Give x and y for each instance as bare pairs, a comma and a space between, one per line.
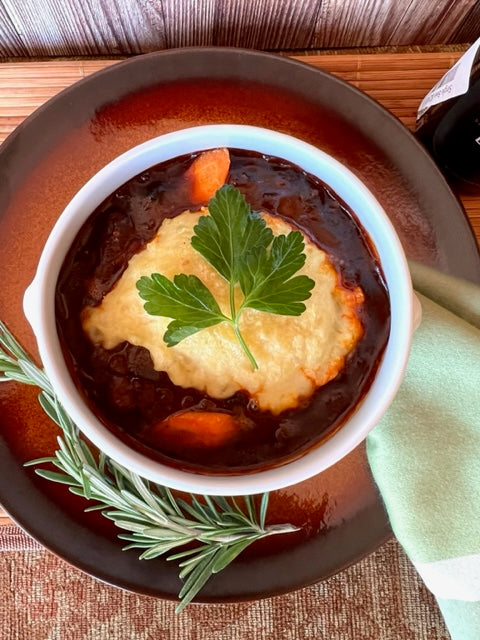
379, 598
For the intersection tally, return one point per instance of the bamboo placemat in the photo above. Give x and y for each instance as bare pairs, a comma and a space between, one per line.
4, 519
398, 81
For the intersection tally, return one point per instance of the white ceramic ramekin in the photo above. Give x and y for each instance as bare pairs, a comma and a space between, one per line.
39, 304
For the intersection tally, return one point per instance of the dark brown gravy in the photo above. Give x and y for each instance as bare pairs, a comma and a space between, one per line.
122, 387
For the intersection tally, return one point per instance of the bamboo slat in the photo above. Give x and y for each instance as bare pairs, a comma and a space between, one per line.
398, 81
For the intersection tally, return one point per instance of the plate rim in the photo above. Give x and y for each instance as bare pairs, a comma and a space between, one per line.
217, 590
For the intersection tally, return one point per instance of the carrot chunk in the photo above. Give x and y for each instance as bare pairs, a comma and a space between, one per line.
208, 173
194, 429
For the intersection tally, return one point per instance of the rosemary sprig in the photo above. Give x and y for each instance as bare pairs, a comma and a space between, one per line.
216, 529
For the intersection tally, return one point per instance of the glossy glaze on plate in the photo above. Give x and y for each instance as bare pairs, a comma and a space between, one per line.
64, 143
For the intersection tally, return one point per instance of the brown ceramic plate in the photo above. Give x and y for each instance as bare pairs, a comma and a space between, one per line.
46, 160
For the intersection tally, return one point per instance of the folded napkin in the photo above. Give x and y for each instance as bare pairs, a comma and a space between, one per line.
425, 453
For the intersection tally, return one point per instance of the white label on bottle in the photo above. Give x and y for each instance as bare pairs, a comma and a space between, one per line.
454, 83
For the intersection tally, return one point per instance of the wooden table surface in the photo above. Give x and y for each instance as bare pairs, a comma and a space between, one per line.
397, 81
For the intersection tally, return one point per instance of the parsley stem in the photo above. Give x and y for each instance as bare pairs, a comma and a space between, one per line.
235, 316
243, 344
232, 301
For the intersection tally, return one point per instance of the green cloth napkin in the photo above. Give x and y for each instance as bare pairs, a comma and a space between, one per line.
425, 452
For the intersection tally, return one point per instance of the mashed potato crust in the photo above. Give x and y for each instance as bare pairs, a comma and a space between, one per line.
295, 355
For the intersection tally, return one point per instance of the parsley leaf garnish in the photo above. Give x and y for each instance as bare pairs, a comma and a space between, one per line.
186, 299
230, 230
237, 243
266, 277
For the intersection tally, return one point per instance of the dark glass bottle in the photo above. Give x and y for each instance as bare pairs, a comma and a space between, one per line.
450, 127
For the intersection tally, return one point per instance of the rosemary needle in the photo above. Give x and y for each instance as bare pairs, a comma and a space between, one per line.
153, 519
